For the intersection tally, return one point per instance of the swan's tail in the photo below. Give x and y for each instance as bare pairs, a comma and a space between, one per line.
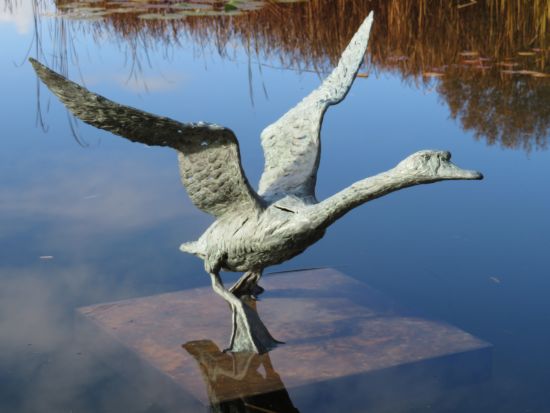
193, 248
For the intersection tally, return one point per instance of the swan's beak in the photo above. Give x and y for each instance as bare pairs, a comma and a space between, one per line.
433, 166
449, 170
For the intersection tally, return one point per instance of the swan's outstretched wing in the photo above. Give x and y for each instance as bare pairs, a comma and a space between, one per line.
209, 157
291, 144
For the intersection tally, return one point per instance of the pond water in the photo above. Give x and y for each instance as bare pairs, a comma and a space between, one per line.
87, 217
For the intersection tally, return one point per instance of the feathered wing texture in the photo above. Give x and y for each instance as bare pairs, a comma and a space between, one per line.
291, 145
209, 157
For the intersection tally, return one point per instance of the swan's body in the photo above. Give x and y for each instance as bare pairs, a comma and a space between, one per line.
254, 230
259, 239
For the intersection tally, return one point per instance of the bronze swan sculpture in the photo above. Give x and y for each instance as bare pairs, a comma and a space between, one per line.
254, 230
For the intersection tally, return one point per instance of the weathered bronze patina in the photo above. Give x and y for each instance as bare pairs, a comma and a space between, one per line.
254, 230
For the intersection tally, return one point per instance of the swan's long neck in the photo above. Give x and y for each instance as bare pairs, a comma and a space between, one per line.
423, 167
326, 212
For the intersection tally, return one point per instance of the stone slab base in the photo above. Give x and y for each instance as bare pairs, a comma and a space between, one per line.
336, 330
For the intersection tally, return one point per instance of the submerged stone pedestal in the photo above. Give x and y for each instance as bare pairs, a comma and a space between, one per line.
339, 334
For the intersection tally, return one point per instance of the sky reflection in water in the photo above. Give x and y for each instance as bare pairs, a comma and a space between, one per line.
112, 214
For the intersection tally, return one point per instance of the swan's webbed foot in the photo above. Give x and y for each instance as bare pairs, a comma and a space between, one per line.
251, 292
256, 290
247, 285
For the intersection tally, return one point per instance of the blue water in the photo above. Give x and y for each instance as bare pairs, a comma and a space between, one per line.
101, 221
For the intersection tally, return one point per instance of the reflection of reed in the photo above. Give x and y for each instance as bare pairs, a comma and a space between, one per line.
429, 33
513, 113
491, 57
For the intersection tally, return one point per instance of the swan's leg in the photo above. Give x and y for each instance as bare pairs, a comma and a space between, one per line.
233, 326
249, 334
248, 285
234, 302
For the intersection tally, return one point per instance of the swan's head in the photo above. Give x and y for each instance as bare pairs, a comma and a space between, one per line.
434, 165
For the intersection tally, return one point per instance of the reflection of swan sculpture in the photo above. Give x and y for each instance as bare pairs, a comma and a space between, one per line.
235, 381
254, 230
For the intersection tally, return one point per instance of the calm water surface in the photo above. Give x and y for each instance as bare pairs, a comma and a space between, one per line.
86, 217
